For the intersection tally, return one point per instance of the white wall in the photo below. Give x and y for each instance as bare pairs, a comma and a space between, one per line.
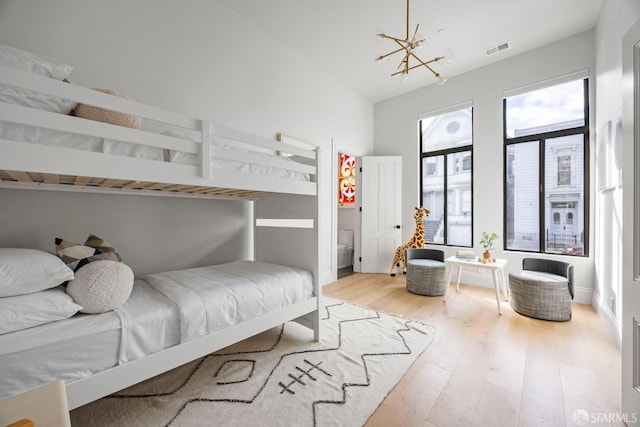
346, 218
615, 20
396, 133
151, 234
201, 59
617, 206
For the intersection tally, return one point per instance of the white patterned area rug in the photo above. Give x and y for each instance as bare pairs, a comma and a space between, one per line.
278, 378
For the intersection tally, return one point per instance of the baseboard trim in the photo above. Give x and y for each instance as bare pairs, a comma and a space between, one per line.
607, 317
485, 280
582, 295
326, 278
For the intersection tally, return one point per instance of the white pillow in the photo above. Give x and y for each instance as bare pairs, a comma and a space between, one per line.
24, 271
26, 311
27, 61
129, 149
101, 286
40, 101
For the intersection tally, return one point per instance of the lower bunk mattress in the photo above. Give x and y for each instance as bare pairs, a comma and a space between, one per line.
164, 310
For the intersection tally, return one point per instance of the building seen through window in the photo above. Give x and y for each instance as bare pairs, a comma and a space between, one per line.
546, 134
446, 142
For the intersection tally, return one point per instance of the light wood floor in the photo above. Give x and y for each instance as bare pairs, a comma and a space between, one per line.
483, 369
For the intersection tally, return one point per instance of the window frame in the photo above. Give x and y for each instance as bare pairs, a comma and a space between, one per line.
541, 138
445, 153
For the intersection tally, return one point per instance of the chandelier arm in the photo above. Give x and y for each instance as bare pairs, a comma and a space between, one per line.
395, 39
381, 57
404, 61
415, 33
425, 64
404, 46
436, 59
436, 75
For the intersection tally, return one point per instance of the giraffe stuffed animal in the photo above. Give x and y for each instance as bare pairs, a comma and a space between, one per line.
417, 241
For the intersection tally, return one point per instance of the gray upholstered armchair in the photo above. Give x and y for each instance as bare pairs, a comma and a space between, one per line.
543, 289
426, 271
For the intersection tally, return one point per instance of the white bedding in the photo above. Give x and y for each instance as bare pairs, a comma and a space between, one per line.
43, 136
163, 310
87, 343
214, 297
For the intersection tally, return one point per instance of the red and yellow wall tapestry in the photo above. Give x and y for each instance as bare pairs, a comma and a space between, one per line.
346, 179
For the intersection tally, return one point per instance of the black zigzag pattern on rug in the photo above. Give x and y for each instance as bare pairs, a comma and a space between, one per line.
364, 357
195, 371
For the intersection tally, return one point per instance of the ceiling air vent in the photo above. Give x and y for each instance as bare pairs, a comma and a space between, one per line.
497, 48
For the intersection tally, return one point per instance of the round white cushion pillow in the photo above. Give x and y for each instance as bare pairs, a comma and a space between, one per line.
101, 286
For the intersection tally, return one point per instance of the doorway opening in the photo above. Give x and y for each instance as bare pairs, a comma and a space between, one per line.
344, 210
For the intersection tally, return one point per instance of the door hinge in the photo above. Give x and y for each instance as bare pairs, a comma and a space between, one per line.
360, 208
360, 169
359, 259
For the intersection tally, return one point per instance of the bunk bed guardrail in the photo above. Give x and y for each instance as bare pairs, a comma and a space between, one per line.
190, 148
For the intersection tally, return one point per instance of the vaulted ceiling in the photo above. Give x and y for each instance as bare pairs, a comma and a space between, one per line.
340, 35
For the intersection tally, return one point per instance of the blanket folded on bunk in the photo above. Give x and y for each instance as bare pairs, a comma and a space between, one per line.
148, 323
215, 297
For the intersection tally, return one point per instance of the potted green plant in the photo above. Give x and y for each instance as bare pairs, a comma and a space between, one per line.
487, 241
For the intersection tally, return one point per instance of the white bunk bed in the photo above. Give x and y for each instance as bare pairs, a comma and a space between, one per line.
170, 155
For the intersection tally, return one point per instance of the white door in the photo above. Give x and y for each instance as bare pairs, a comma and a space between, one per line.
631, 220
379, 204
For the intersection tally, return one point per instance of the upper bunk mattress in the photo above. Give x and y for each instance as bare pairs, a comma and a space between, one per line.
43, 136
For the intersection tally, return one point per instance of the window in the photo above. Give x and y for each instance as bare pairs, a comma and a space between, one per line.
546, 134
446, 142
430, 167
466, 163
564, 170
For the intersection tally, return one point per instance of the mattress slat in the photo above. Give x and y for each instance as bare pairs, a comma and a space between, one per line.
110, 184
51, 178
20, 176
81, 180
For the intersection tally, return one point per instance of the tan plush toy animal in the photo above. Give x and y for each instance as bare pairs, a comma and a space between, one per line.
417, 241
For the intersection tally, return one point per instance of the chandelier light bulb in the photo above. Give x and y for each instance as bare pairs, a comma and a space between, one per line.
417, 41
446, 55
